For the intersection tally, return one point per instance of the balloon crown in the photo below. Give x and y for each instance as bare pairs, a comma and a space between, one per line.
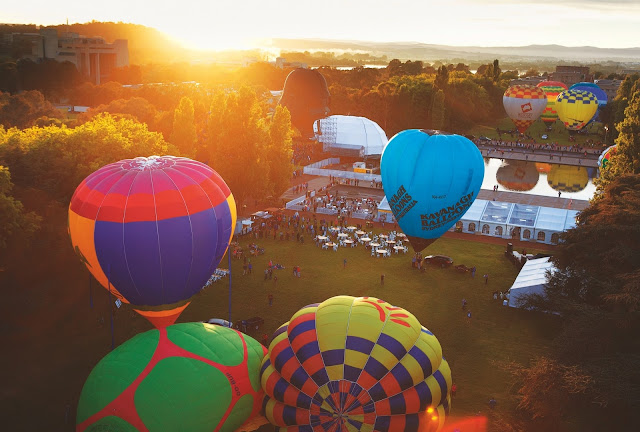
149, 163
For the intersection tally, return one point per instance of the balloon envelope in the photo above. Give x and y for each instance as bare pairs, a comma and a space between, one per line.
152, 230
552, 89
518, 175
567, 178
593, 88
524, 104
355, 364
605, 157
306, 96
187, 377
430, 180
576, 108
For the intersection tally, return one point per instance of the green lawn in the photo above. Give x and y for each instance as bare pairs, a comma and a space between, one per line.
495, 333
558, 134
56, 338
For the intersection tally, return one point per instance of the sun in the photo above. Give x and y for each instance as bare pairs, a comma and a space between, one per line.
213, 38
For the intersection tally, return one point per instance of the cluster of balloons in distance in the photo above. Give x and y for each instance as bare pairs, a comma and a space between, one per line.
575, 107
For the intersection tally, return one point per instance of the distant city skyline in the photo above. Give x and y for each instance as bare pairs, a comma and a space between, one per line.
224, 24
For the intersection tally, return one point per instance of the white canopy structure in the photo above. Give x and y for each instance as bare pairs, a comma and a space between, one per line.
350, 136
519, 221
531, 280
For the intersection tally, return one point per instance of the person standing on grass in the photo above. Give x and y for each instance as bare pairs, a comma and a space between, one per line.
344, 263
486, 278
270, 297
382, 279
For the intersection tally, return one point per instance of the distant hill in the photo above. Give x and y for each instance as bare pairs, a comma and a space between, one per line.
428, 52
148, 45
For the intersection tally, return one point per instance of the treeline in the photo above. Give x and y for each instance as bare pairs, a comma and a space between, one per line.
411, 95
46, 155
591, 377
321, 58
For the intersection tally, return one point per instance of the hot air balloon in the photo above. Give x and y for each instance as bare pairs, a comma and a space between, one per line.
542, 167
517, 175
605, 157
188, 377
598, 93
152, 230
552, 89
306, 96
524, 104
567, 178
593, 88
430, 179
355, 364
576, 108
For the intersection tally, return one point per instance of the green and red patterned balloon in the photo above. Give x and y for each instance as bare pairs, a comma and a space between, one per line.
189, 377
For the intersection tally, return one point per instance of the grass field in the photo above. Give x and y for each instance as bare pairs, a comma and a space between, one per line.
57, 338
558, 133
494, 334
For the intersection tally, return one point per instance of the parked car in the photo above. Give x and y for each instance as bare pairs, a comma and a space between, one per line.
484, 138
219, 321
441, 260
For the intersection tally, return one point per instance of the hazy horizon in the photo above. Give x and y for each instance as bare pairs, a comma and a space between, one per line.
249, 24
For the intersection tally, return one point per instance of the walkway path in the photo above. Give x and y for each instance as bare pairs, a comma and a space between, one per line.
365, 191
540, 155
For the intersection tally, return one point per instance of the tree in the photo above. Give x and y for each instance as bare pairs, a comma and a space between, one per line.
137, 107
595, 287
280, 151
184, 135
13, 218
442, 78
438, 111
627, 157
237, 144
22, 110
56, 159
496, 70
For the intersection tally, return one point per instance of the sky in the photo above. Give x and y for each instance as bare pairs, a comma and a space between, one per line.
234, 24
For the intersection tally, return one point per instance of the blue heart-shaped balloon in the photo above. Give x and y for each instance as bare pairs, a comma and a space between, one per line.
430, 179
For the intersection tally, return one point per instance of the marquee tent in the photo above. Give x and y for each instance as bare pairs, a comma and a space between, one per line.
531, 280
521, 221
350, 136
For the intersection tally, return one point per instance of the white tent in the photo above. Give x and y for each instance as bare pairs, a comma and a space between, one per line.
350, 135
384, 210
531, 280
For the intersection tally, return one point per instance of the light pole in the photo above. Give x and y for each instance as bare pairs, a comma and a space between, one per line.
606, 132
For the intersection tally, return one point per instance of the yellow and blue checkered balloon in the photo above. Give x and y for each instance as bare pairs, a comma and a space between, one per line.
355, 364
576, 108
